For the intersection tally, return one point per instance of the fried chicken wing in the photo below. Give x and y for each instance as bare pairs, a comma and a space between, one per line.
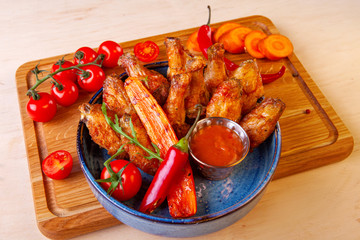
226, 101
175, 55
137, 154
261, 121
179, 60
100, 131
215, 72
115, 97
174, 107
249, 75
197, 94
155, 82
186, 82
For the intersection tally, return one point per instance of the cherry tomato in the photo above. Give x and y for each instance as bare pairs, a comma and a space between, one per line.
112, 52
43, 109
130, 180
93, 78
85, 55
68, 95
58, 165
68, 74
147, 51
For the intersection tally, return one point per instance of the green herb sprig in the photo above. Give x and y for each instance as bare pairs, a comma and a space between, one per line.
116, 127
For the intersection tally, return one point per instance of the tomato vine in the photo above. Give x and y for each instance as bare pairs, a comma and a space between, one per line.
36, 71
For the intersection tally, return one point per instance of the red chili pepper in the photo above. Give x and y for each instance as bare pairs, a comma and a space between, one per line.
204, 36
205, 41
175, 160
268, 78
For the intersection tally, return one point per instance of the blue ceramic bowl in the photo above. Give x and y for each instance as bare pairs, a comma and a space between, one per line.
220, 203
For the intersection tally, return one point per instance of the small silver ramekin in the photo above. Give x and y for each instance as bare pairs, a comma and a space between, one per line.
219, 172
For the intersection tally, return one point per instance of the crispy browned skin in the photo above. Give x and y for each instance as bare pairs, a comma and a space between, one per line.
226, 101
249, 75
99, 130
183, 69
179, 60
156, 83
174, 107
215, 72
197, 94
137, 154
176, 57
115, 97
261, 121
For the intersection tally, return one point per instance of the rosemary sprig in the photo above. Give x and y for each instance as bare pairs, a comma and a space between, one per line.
115, 125
32, 91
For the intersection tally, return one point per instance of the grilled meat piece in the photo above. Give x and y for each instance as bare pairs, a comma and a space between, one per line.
179, 60
174, 107
249, 75
185, 73
197, 94
215, 72
176, 57
115, 97
261, 121
155, 82
99, 130
226, 101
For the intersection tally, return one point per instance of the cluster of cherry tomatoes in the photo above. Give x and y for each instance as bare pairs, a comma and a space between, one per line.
66, 83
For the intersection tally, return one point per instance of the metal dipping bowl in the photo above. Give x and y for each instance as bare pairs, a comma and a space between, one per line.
219, 172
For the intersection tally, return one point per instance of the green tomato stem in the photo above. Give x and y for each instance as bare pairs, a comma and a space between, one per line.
32, 92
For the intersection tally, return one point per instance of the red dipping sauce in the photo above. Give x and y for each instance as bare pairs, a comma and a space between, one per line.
217, 145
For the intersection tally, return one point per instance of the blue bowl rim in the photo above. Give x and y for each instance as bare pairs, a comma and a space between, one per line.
192, 220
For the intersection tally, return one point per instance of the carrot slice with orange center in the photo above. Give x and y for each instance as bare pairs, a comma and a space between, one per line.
275, 46
224, 28
251, 43
234, 39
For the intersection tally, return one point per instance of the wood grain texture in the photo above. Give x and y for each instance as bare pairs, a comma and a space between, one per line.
309, 140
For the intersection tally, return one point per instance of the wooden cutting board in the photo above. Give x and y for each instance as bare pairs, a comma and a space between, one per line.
312, 136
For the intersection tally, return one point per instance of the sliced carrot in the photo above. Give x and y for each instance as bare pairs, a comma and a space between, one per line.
251, 43
151, 115
182, 195
192, 43
275, 47
233, 40
224, 28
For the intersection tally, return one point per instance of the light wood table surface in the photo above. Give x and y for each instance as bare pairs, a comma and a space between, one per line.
319, 204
